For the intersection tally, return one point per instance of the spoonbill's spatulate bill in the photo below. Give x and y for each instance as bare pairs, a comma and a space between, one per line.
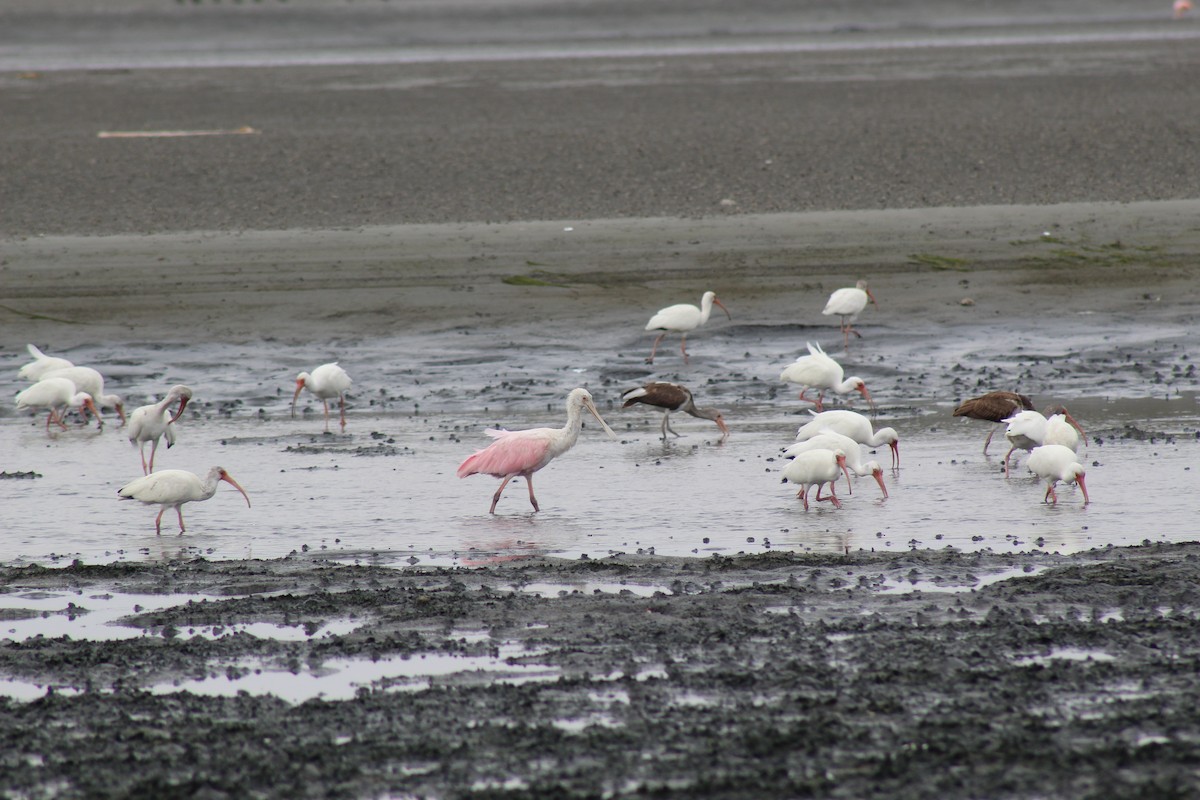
671, 397
171, 488
682, 318
522, 453
152, 422
325, 382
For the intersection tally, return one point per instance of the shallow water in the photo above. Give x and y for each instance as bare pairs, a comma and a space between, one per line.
385, 491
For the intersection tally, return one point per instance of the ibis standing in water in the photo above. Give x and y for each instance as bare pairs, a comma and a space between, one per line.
91, 382
1053, 463
993, 407
155, 421
671, 397
832, 440
55, 394
325, 382
848, 303
854, 425
818, 371
816, 468
1027, 430
522, 453
682, 318
171, 488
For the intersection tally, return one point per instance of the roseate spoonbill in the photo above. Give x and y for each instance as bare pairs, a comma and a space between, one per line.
1027, 430
171, 488
35, 370
326, 382
848, 303
523, 453
854, 425
816, 468
1180, 8
682, 318
818, 371
1054, 463
832, 440
55, 394
151, 422
993, 407
91, 381
672, 397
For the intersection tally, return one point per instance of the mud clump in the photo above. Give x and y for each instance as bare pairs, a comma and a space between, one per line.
893, 675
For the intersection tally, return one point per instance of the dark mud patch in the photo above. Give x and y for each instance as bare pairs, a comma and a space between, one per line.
893, 675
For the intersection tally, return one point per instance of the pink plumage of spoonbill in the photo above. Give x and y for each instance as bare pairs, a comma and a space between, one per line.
832, 440
848, 303
152, 422
171, 488
818, 371
682, 318
36, 370
326, 382
816, 468
56, 395
854, 425
1053, 463
522, 453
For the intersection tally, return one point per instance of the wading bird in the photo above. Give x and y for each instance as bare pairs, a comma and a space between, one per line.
1027, 430
832, 440
36, 370
171, 488
326, 382
816, 468
55, 394
1053, 463
671, 397
854, 425
818, 371
522, 453
91, 382
151, 422
682, 318
993, 407
848, 303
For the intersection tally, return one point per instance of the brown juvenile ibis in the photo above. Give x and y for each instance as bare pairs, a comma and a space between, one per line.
671, 397
993, 407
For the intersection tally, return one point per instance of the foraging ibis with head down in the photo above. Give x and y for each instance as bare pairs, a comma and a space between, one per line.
171, 488
682, 318
325, 382
152, 422
816, 468
671, 397
56, 395
854, 425
832, 440
848, 303
818, 371
1053, 463
522, 453
90, 381
993, 407
1027, 430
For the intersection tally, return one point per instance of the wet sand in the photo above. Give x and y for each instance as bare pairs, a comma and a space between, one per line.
1060, 253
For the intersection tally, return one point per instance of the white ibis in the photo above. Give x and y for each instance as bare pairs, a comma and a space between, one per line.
1062, 428
818, 371
171, 488
56, 395
1027, 430
36, 370
848, 303
816, 468
91, 381
1054, 463
155, 421
671, 397
523, 453
993, 407
326, 382
832, 440
682, 318
854, 425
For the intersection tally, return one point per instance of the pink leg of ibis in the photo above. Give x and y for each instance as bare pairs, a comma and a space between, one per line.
179, 511
158, 522
803, 495
832, 497
683, 348
988, 440
654, 349
342, 407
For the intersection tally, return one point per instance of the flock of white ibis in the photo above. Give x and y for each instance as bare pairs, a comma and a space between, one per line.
826, 447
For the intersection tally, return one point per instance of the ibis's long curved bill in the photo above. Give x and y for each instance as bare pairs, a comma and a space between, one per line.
183, 401
299, 387
229, 479
592, 408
